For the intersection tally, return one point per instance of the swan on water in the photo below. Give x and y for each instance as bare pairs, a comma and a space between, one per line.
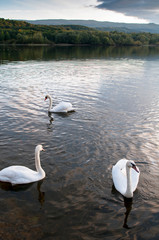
125, 175
62, 107
21, 174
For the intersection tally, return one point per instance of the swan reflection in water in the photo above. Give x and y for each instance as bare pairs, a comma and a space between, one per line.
41, 195
6, 186
128, 205
50, 125
50, 117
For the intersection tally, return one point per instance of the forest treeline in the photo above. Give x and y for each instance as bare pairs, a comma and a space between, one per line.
21, 32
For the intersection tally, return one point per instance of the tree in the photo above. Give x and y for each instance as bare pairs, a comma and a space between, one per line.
6, 36
1, 36
38, 37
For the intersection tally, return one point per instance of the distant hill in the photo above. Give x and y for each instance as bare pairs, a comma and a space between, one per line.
22, 32
103, 26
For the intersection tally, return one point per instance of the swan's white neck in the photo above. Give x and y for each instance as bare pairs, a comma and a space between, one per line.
129, 192
38, 164
50, 103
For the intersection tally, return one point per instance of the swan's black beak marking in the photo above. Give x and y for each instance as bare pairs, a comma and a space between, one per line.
45, 98
135, 168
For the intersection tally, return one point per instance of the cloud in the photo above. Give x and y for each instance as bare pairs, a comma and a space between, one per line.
145, 9
101, 10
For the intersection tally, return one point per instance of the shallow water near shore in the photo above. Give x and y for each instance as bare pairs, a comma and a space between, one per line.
115, 92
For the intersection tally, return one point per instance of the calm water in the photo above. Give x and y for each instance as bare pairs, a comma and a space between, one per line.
116, 95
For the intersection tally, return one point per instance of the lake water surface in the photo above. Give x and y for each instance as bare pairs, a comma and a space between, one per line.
115, 92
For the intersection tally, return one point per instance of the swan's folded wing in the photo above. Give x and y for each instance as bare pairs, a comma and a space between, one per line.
17, 174
62, 107
119, 178
7, 173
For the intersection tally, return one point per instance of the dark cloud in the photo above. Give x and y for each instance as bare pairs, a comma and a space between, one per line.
139, 8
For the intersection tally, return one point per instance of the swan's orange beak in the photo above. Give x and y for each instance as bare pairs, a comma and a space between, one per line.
135, 168
43, 149
45, 98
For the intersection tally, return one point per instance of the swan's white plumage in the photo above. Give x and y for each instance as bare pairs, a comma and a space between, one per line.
21, 174
119, 174
62, 107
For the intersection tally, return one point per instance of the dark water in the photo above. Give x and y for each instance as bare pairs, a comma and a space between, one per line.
116, 95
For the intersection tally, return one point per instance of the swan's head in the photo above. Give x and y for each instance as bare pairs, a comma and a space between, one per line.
47, 96
39, 148
131, 164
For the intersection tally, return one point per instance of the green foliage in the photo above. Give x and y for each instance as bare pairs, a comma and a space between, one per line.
21, 32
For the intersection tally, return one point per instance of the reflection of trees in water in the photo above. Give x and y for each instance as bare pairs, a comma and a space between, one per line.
34, 52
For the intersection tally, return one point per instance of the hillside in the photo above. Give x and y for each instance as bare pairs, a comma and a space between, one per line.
103, 26
22, 32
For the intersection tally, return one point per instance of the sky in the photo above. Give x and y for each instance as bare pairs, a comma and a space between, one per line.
128, 11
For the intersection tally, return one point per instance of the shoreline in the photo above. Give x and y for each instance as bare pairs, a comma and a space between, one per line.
72, 45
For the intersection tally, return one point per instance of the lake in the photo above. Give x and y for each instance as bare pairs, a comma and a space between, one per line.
115, 92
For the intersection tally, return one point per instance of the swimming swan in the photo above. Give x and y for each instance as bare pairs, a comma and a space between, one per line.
23, 175
124, 178
62, 107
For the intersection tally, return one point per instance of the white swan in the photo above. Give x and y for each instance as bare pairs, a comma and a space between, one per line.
124, 178
62, 107
22, 174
